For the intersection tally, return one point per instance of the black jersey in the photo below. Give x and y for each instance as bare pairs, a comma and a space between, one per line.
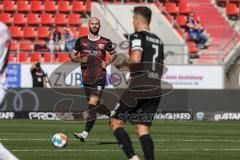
38, 77
150, 45
96, 52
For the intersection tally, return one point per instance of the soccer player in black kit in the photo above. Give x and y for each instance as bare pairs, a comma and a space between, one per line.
90, 51
145, 46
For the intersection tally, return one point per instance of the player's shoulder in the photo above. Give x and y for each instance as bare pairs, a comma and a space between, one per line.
82, 38
136, 35
105, 39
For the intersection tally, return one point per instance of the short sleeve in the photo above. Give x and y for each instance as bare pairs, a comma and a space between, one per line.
109, 47
77, 47
136, 42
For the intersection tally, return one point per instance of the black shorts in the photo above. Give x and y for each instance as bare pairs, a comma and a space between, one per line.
142, 113
94, 88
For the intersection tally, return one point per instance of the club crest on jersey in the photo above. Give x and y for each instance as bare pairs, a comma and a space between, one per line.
99, 88
101, 46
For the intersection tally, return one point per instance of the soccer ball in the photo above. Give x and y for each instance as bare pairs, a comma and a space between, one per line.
59, 140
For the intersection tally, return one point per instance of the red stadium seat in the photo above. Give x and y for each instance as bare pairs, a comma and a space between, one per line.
88, 6
13, 46
19, 19
33, 19
232, 10
36, 6
63, 6
49, 58
192, 47
23, 6
11, 58
60, 19
16, 32
43, 32
23, 57
184, 8
74, 19
8, 6
181, 32
77, 7
26, 45
181, 20
35, 57
63, 57
29, 32
50, 6
171, 7
170, 18
46, 19
75, 31
83, 31
6, 18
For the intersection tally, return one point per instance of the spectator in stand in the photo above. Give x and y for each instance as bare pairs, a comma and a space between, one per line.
68, 39
39, 78
56, 40
196, 32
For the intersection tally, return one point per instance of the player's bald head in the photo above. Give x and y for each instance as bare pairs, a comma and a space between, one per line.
94, 25
93, 20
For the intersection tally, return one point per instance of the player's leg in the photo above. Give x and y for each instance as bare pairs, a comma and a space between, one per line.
117, 126
146, 141
92, 115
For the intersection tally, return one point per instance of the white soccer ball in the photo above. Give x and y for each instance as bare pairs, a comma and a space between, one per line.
59, 140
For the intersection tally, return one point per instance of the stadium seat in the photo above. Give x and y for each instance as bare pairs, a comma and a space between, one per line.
43, 32
23, 57
46, 19
181, 20
50, 6
8, 6
63, 6
88, 6
77, 7
23, 6
63, 57
83, 31
11, 58
36, 6
232, 11
13, 46
49, 58
170, 19
16, 32
19, 19
29, 32
60, 19
32, 19
26, 45
74, 19
171, 8
35, 57
184, 8
192, 47
6, 18
181, 32
75, 31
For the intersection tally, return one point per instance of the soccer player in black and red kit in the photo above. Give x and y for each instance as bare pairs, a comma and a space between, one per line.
91, 52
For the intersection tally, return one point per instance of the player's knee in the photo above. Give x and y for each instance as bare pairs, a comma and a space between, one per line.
93, 100
142, 130
115, 123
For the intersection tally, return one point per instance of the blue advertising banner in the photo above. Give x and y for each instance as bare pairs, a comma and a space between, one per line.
14, 76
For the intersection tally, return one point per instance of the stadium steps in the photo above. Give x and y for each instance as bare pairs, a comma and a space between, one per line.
217, 26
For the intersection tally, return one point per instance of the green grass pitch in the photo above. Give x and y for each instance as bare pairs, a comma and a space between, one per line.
174, 140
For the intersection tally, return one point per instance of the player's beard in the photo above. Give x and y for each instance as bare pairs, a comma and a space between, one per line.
94, 32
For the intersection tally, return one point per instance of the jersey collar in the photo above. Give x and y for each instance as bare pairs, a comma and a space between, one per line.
94, 39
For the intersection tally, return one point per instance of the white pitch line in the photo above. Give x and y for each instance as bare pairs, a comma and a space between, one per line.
118, 150
134, 140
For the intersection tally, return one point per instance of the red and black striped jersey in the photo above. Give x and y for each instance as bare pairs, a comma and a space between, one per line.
96, 51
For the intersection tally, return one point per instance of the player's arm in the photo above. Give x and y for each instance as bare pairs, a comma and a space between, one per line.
111, 49
75, 55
